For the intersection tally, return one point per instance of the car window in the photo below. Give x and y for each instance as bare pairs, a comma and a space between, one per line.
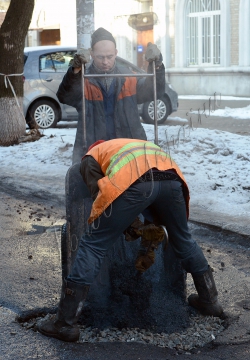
56, 62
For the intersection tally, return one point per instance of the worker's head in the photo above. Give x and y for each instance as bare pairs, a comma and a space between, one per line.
103, 49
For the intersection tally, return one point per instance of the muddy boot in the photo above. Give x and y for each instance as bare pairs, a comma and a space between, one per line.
63, 326
206, 300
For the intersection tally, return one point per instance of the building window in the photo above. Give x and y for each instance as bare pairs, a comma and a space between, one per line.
203, 32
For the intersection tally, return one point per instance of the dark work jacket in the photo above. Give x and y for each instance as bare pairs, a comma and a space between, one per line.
129, 91
109, 108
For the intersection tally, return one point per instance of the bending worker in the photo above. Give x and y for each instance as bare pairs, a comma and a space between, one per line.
125, 177
110, 102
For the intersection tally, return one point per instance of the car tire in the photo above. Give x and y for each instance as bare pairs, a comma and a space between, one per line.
43, 114
163, 111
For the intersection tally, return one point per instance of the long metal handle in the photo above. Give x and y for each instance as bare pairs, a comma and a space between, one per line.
155, 105
117, 75
84, 114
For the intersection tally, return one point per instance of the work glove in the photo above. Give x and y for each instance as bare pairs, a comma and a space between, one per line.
144, 260
130, 233
81, 57
150, 234
151, 237
153, 54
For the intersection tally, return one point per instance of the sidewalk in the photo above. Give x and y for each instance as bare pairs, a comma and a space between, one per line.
239, 225
241, 126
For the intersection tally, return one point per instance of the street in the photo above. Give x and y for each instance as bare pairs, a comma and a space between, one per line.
31, 274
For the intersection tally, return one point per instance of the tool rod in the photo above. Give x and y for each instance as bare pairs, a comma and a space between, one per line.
155, 105
116, 75
84, 114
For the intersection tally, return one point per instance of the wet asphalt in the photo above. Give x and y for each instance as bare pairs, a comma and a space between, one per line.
30, 278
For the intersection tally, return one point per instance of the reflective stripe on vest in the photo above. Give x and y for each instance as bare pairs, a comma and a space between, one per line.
130, 152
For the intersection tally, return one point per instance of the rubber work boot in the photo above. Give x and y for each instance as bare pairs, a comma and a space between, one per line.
206, 300
63, 326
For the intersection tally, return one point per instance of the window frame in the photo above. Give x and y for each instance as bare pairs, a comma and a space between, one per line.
180, 57
55, 68
200, 15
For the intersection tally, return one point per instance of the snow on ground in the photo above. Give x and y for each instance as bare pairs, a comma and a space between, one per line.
238, 113
207, 97
216, 164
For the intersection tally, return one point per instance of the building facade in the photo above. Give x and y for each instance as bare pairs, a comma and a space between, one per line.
205, 43
210, 47
52, 23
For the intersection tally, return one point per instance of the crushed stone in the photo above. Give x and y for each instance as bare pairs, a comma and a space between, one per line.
202, 330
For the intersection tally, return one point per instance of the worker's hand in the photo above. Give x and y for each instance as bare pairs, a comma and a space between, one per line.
150, 234
81, 57
153, 54
151, 237
130, 234
144, 260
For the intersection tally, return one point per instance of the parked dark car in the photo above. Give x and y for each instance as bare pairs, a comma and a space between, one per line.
44, 68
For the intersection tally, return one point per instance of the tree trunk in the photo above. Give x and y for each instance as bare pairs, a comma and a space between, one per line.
12, 39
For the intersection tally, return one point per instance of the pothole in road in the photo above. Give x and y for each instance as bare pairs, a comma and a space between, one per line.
201, 331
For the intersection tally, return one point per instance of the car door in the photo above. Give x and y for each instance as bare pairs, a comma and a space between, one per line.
52, 67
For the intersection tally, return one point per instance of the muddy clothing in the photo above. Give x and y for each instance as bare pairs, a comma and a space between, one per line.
163, 197
110, 112
123, 161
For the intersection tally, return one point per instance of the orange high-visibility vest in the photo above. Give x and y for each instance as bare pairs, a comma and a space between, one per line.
123, 161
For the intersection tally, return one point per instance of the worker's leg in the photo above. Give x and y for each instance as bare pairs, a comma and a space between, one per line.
100, 237
171, 211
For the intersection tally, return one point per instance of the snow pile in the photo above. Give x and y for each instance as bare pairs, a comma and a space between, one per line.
216, 164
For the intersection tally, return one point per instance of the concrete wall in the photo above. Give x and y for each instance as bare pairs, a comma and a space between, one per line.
233, 81
234, 32
56, 14
232, 76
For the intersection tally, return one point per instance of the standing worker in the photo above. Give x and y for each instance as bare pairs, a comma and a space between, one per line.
111, 103
125, 177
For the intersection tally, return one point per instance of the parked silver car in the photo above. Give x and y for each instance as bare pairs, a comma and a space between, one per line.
44, 68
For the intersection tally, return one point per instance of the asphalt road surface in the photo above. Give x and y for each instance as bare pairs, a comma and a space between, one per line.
31, 277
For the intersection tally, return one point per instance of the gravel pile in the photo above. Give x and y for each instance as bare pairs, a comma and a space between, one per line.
202, 330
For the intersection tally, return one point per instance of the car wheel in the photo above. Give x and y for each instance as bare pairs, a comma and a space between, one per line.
163, 111
44, 114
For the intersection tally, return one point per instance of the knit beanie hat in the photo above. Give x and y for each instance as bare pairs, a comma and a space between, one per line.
101, 34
